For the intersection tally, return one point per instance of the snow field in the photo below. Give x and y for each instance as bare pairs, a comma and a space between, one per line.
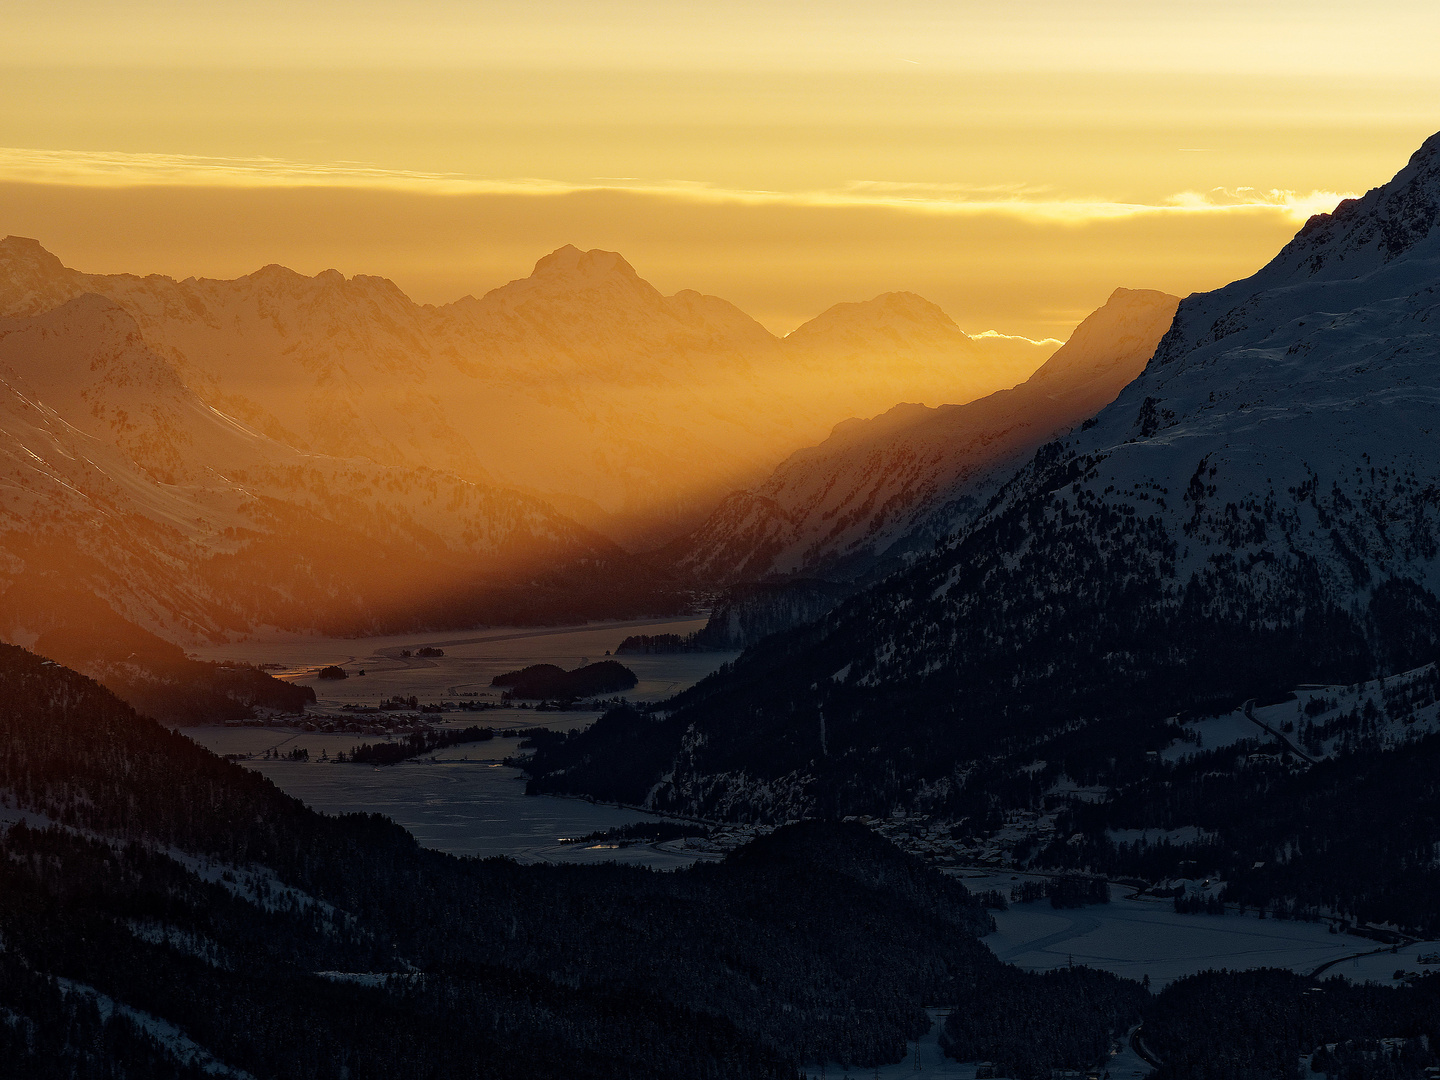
1135, 938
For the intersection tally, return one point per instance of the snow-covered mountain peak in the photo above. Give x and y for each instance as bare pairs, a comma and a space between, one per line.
1386, 222
274, 272
17, 251
1382, 245
1276, 458
568, 276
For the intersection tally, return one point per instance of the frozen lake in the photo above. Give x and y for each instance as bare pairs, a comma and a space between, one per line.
1135, 938
461, 799
471, 660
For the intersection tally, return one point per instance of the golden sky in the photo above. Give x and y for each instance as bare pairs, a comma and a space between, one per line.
1014, 162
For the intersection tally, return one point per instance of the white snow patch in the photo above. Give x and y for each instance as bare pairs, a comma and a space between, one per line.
1215, 733
1142, 937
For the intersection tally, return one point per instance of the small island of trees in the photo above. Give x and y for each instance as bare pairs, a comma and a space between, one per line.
547, 681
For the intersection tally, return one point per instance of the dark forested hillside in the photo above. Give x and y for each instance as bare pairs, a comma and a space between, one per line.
164, 913
1034, 1024
194, 894
1257, 1025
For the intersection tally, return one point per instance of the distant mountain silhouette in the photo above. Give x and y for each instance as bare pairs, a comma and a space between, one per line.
630, 410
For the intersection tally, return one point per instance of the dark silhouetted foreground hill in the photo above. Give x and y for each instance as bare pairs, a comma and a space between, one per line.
198, 897
164, 913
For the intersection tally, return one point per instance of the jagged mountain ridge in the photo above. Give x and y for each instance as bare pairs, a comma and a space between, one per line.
878, 488
581, 382
915, 341
1257, 510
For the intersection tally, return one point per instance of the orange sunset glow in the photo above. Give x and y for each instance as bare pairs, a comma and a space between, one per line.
1012, 163
720, 539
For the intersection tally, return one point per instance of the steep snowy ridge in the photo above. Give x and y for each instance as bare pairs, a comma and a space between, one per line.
879, 488
1278, 451
1259, 509
581, 382
88, 360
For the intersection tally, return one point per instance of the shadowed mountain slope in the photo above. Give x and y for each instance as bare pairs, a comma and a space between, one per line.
1258, 509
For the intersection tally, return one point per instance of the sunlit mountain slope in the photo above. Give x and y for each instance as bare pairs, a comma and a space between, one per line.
627, 409
187, 459
129, 508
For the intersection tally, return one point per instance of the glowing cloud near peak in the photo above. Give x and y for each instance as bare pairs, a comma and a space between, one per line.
92, 168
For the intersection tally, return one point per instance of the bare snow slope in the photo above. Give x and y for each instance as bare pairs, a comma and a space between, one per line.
877, 488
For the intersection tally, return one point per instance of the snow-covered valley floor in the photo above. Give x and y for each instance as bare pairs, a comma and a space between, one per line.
1135, 938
